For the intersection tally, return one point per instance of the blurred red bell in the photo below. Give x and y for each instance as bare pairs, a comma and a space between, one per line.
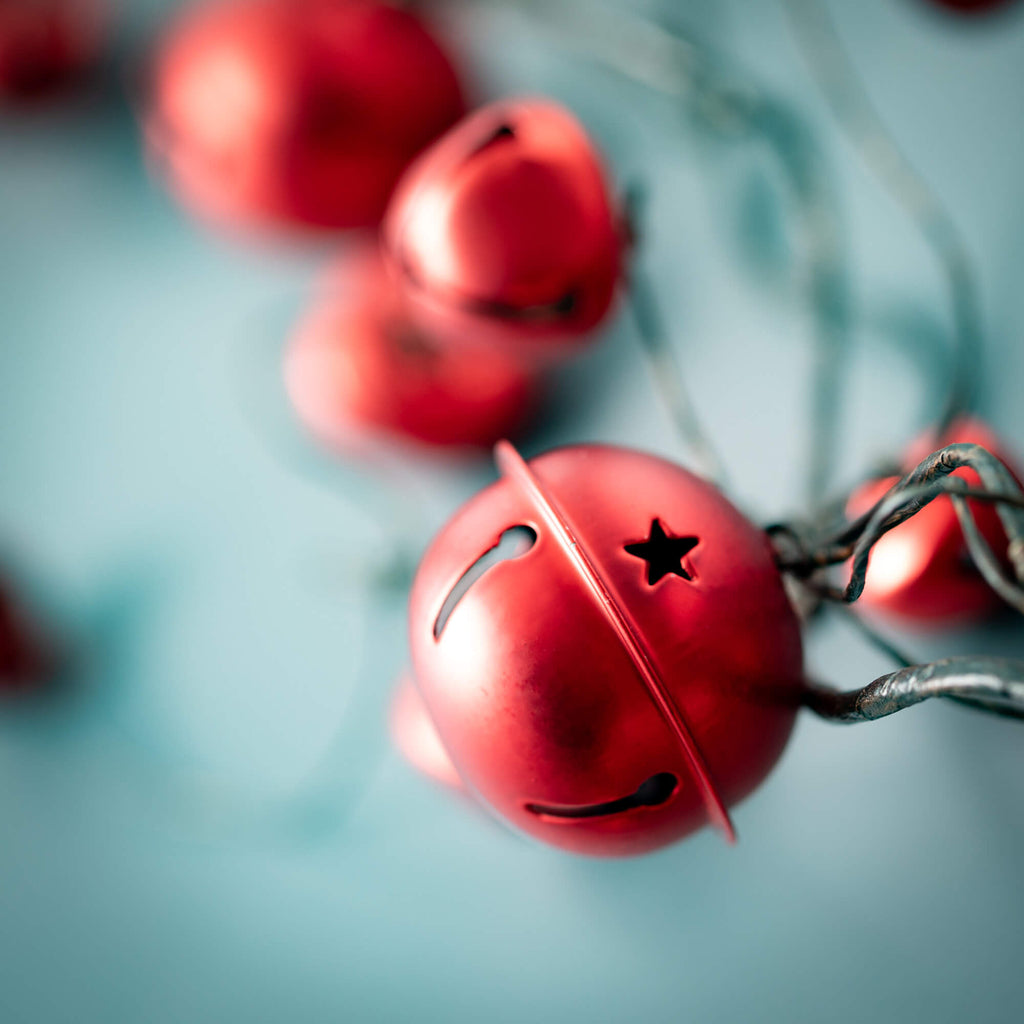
359, 374
505, 231
45, 43
921, 572
605, 647
21, 660
296, 111
413, 732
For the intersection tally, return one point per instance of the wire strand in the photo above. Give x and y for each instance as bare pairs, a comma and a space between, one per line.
987, 683
728, 100
858, 117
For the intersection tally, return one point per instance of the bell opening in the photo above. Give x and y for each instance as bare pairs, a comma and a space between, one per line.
652, 792
513, 543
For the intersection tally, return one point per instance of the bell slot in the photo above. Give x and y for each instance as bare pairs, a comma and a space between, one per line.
513, 543
652, 792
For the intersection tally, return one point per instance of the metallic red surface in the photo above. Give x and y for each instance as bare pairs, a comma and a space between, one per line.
563, 682
505, 231
359, 374
21, 661
921, 573
296, 111
45, 43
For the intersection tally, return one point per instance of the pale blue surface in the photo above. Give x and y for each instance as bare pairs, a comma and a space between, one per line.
200, 581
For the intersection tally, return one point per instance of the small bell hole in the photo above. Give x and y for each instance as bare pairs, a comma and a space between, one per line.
513, 543
652, 792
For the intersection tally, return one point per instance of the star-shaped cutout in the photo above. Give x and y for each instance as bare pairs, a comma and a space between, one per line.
663, 554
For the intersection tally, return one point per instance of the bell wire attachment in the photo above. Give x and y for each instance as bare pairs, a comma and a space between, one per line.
928, 481
985, 683
719, 95
925, 483
857, 116
991, 684
663, 364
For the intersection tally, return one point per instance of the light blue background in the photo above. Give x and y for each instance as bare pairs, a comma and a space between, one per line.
197, 561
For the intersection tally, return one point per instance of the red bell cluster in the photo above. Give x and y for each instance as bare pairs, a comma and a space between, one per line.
503, 245
605, 649
45, 43
921, 573
501, 250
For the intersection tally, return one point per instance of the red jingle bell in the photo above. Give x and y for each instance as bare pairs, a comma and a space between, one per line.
297, 111
921, 572
606, 650
504, 232
45, 43
360, 374
413, 732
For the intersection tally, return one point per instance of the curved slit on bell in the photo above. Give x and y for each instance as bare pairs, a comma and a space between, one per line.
652, 792
513, 542
559, 309
544, 312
